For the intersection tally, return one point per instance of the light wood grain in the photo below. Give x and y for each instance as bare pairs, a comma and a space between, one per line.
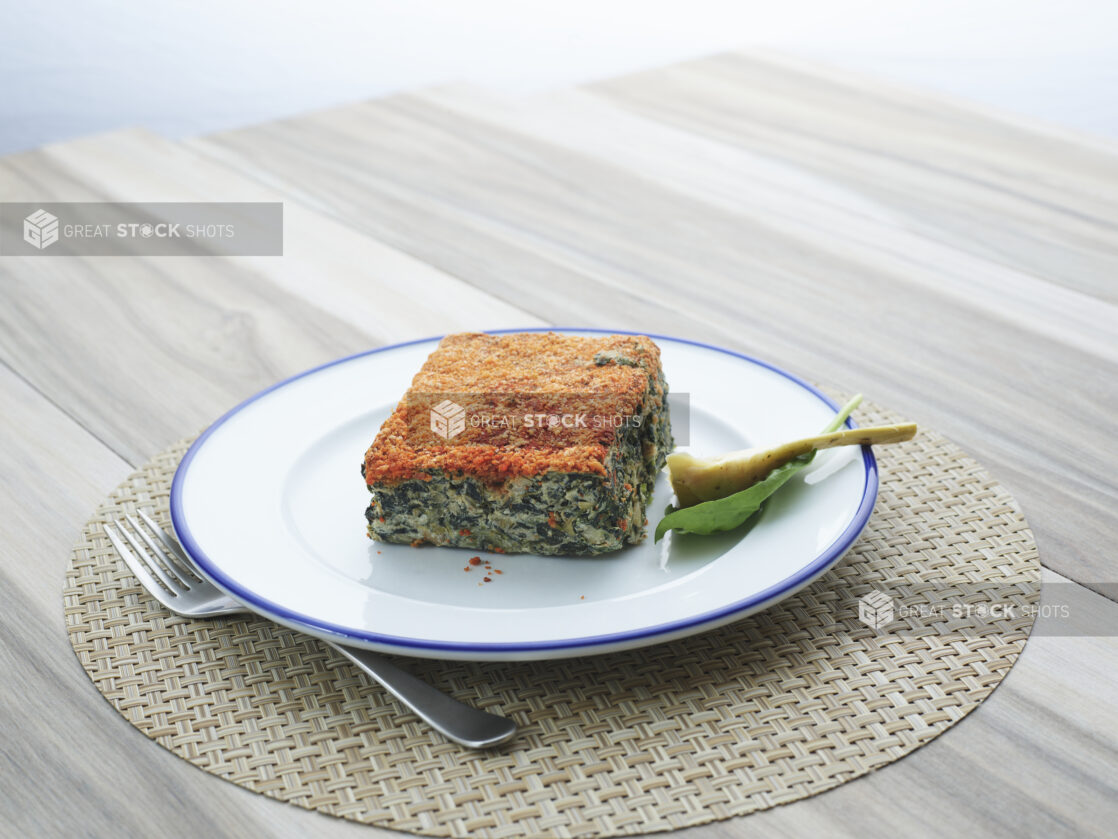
1035, 199
743, 181
351, 276
722, 213
69, 764
179, 341
1042, 750
606, 240
143, 354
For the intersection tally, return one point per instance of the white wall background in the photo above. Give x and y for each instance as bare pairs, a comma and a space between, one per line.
181, 67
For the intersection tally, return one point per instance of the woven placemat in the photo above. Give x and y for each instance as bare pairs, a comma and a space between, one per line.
776, 707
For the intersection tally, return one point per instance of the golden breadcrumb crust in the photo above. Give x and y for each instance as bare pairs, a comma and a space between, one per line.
545, 371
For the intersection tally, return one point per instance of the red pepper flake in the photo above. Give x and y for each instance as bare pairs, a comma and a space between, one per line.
475, 560
465, 531
551, 522
628, 487
624, 525
487, 579
498, 550
381, 519
467, 568
378, 552
582, 597
498, 571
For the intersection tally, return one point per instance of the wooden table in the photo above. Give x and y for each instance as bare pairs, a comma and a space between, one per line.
955, 265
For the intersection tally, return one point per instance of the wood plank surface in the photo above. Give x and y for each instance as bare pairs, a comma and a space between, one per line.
1042, 750
70, 765
353, 277
743, 181
1033, 198
708, 200
834, 295
1043, 747
181, 340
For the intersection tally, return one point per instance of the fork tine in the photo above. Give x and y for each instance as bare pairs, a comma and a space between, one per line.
175, 586
170, 562
172, 544
138, 568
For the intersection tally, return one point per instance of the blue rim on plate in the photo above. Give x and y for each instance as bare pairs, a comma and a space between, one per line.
267, 608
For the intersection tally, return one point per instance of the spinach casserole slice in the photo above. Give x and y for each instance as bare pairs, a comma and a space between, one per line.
539, 443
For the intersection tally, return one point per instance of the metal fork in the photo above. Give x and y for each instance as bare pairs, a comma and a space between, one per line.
172, 578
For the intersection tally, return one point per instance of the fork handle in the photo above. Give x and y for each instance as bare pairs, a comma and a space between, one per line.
461, 723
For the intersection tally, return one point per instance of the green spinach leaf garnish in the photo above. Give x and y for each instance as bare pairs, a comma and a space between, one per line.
734, 510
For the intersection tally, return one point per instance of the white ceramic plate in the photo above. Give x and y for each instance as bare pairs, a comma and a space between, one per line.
270, 503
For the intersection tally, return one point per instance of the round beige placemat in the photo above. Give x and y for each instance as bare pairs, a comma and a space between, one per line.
776, 707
